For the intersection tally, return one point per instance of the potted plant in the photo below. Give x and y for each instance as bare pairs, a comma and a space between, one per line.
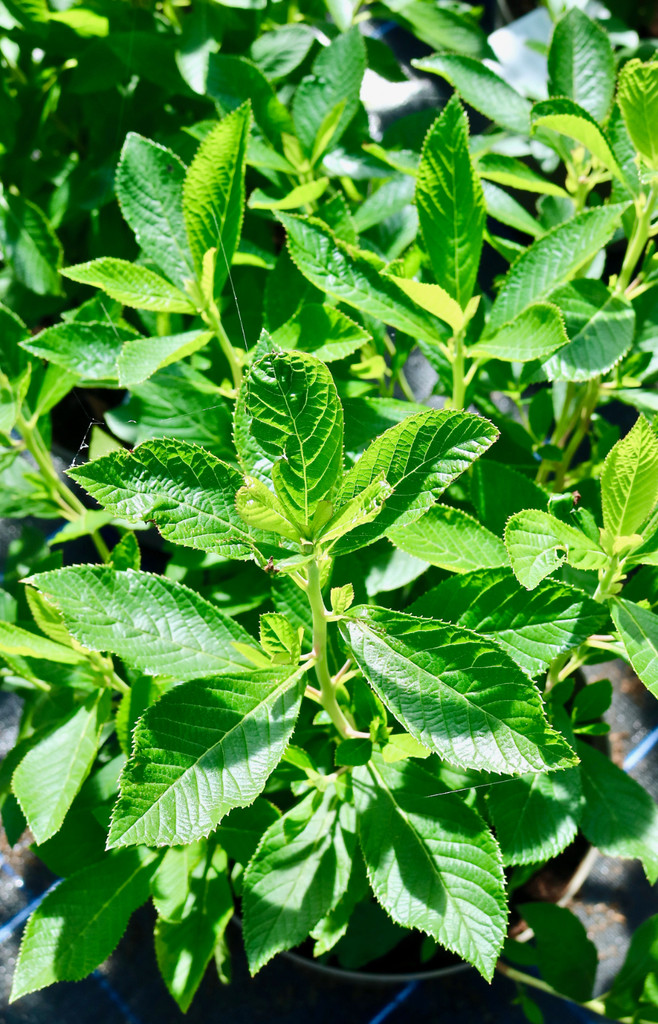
355, 682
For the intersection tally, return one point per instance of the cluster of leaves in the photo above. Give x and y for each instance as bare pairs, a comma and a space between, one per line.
353, 693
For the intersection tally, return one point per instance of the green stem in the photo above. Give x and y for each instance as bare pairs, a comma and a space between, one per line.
327, 688
458, 382
596, 1005
639, 237
214, 321
72, 508
606, 579
585, 412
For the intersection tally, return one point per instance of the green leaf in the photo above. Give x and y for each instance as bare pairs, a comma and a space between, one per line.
187, 492
354, 277
507, 170
456, 692
567, 959
451, 539
297, 421
570, 119
625, 996
554, 259
140, 358
213, 193
232, 81
50, 775
297, 875
131, 284
581, 63
533, 628
323, 331
450, 204
335, 82
481, 88
442, 28
600, 326
619, 816
90, 350
301, 195
638, 98
391, 197
30, 245
204, 748
149, 187
418, 458
431, 860
184, 947
79, 923
152, 623
538, 544
283, 49
638, 629
592, 701
506, 210
17, 641
629, 481
536, 817
535, 334
497, 492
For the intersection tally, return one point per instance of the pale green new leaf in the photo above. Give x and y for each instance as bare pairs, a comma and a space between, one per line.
50, 775
336, 79
638, 629
418, 458
570, 119
90, 350
297, 875
358, 511
581, 63
213, 192
259, 507
434, 299
451, 539
140, 358
354, 277
554, 259
79, 923
323, 331
149, 187
297, 421
131, 285
638, 98
538, 544
532, 627
184, 947
152, 623
536, 817
299, 196
535, 334
205, 747
279, 638
619, 816
17, 641
450, 204
600, 326
481, 88
629, 481
432, 862
456, 692
185, 490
